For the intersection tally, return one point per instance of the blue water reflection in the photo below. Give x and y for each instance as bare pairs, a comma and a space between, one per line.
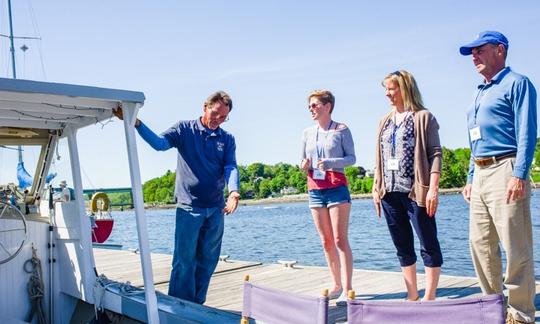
285, 231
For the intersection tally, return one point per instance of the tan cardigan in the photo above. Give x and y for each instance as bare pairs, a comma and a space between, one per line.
427, 155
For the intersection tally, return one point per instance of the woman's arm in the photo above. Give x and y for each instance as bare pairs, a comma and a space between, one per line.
434, 152
432, 197
305, 162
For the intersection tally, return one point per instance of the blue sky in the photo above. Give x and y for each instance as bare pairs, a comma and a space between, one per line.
268, 55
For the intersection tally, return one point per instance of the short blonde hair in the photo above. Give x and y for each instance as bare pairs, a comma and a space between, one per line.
412, 99
324, 96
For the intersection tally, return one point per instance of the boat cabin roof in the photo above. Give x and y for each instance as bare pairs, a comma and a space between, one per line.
29, 107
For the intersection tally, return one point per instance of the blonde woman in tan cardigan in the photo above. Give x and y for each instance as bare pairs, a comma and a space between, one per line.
408, 160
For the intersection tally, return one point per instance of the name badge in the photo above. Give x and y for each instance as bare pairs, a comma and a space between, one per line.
475, 134
392, 164
319, 174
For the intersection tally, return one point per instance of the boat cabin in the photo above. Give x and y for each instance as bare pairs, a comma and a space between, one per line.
39, 114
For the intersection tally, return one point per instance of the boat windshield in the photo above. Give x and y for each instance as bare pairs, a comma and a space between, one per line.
22, 156
18, 164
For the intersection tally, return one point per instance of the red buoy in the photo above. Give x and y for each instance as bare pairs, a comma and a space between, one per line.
102, 230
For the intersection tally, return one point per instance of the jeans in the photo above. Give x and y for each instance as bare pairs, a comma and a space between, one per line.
400, 211
197, 245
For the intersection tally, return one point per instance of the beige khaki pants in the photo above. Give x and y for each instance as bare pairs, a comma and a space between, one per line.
493, 220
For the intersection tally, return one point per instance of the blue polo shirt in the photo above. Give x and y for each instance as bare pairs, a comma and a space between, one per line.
205, 159
505, 111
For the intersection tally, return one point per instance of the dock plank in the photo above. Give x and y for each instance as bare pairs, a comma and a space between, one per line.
123, 265
226, 285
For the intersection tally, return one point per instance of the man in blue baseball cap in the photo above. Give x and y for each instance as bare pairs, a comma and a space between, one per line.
486, 37
502, 136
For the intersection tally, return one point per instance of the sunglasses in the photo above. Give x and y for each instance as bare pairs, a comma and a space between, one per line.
315, 105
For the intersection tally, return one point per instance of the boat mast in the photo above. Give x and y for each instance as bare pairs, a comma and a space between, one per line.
13, 66
12, 47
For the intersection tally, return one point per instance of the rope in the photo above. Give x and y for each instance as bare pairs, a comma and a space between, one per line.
127, 289
103, 283
35, 288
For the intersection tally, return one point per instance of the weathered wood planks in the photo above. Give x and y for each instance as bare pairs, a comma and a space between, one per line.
225, 290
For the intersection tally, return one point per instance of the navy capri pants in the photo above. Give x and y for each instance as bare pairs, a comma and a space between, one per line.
400, 212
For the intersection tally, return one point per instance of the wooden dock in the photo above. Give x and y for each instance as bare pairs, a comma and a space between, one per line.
225, 292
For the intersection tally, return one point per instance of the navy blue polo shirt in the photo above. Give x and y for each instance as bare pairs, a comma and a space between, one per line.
205, 159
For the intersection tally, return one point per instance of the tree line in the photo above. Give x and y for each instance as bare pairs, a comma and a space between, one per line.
260, 180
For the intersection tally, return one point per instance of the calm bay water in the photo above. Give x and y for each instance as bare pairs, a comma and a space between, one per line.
268, 233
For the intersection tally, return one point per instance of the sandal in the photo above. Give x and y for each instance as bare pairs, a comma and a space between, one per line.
342, 299
413, 300
335, 294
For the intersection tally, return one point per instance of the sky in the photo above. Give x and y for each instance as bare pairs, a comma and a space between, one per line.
268, 55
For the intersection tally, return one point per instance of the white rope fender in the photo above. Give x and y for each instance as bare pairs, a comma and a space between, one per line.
35, 288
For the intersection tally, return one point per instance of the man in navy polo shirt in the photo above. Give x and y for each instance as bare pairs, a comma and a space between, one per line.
206, 159
502, 134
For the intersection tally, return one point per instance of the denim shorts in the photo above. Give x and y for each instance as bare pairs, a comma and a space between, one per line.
329, 197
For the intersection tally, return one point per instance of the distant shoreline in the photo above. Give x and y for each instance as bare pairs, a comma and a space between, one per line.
296, 198
304, 198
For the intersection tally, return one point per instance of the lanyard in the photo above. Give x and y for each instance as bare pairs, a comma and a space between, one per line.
394, 132
480, 95
319, 155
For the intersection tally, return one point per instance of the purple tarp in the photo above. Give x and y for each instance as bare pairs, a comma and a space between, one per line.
479, 310
274, 306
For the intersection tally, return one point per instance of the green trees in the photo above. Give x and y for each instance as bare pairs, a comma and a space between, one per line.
454, 168
537, 153
535, 173
357, 182
160, 190
120, 198
257, 180
260, 180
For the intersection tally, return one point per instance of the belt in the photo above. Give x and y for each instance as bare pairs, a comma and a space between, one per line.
487, 161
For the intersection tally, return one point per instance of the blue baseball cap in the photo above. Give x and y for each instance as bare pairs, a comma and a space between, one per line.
485, 37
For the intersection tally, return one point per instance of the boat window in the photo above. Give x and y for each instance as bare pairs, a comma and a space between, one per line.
18, 163
18, 168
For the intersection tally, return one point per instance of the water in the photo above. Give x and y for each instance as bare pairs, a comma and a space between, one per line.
268, 233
